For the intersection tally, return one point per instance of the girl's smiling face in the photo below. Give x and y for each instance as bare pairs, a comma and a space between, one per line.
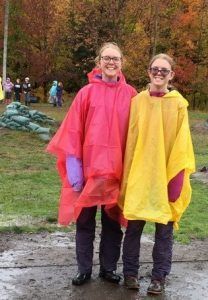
160, 73
110, 64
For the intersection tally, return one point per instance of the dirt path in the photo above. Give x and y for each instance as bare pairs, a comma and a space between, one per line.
41, 266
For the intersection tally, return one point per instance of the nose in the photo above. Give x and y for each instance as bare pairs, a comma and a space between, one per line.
111, 60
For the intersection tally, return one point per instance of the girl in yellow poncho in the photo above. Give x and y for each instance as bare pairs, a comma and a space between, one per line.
158, 162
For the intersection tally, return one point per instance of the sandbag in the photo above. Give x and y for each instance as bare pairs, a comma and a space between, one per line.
19, 117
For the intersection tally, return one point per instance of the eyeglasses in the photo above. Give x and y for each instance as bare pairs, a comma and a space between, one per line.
163, 71
107, 59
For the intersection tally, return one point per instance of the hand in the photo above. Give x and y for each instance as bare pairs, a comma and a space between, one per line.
175, 186
77, 187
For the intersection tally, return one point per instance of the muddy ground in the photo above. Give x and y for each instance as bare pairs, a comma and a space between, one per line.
41, 266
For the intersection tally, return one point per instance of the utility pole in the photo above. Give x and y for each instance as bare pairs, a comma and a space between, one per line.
6, 22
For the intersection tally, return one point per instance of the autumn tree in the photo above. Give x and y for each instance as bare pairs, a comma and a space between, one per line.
51, 39
91, 23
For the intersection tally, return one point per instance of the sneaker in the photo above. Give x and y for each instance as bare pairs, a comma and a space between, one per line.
156, 287
131, 282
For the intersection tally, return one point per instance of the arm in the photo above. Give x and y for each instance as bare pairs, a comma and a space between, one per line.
75, 173
175, 186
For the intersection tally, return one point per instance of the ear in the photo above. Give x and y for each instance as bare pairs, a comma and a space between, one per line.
149, 74
172, 74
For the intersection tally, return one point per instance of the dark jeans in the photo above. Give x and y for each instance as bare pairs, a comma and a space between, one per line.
162, 250
27, 98
17, 97
110, 244
59, 101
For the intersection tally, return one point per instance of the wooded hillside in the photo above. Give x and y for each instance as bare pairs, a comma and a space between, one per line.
51, 39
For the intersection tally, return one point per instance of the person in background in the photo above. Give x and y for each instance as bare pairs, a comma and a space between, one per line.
59, 94
17, 90
1, 91
26, 89
8, 87
52, 93
159, 159
89, 147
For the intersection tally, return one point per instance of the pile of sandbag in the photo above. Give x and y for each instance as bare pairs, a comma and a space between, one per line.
20, 117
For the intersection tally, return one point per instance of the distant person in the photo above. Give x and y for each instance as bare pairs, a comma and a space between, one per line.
17, 90
1, 91
158, 162
59, 94
8, 87
26, 89
52, 93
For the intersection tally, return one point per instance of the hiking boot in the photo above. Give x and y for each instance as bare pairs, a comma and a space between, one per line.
131, 282
156, 287
110, 276
80, 278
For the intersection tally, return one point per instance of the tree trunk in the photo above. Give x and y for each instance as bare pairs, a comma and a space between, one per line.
6, 22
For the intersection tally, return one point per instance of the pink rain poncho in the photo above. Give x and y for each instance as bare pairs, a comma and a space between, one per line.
94, 131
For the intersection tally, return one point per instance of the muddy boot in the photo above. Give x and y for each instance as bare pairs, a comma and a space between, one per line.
131, 282
156, 287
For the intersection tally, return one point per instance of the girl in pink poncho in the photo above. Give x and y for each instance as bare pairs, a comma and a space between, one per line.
89, 147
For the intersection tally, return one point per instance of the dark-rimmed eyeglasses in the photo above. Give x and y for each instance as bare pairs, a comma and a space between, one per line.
155, 71
107, 59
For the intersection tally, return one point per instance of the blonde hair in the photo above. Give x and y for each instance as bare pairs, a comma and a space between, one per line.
105, 46
163, 56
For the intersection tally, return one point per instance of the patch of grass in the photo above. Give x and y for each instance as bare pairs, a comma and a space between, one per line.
193, 224
199, 137
198, 115
29, 183
194, 221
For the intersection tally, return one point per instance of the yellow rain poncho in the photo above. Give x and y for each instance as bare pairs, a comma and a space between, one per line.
158, 147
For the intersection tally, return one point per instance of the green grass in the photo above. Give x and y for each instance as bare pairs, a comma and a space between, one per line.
30, 185
194, 221
28, 180
198, 115
200, 137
